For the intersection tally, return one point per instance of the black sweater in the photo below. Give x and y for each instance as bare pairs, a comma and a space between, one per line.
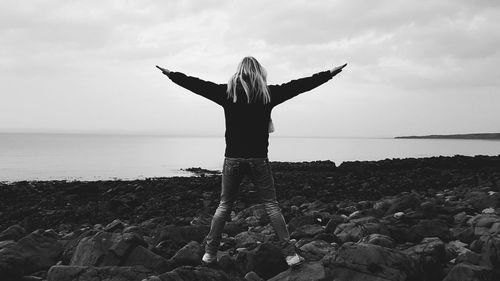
247, 124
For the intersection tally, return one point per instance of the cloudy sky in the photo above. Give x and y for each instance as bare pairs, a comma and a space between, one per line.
414, 67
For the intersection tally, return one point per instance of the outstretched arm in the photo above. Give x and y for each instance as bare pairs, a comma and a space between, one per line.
207, 89
283, 92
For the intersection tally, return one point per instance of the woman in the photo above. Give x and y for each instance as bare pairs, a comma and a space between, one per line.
247, 101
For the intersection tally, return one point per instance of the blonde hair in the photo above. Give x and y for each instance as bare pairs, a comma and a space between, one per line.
252, 77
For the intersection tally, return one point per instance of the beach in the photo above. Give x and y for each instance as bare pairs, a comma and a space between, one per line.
433, 216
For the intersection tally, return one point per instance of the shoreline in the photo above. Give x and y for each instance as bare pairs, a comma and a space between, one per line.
202, 172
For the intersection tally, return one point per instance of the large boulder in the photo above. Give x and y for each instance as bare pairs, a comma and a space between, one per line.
363, 261
36, 251
266, 260
113, 249
90, 273
430, 254
469, 272
13, 232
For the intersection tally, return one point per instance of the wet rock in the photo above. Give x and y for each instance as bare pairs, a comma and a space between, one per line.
13, 232
266, 260
307, 271
469, 272
90, 273
370, 262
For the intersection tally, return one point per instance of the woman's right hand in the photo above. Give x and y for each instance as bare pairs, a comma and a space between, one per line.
338, 69
164, 70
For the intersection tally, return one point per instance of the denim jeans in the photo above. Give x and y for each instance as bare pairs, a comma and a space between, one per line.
259, 172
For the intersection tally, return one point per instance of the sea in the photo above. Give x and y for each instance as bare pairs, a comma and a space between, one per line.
91, 157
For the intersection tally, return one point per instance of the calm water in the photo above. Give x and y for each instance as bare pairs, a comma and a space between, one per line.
94, 157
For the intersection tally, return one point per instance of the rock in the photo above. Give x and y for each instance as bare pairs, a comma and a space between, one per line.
402, 203
299, 221
356, 229
469, 272
232, 228
430, 254
248, 239
13, 232
182, 234
480, 200
334, 221
144, 257
308, 230
114, 225
191, 273
36, 251
190, 254
485, 224
266, 260
432, 228
362, 261
379, 239
252, 276
105, 249
258, 211
90, 273
398, 215
489, 249
306, 271
316, 250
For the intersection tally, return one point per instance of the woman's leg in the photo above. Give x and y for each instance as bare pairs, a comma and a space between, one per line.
261, 176
231, 179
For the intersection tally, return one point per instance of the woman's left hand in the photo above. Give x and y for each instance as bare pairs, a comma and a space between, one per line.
337, 69
164, 70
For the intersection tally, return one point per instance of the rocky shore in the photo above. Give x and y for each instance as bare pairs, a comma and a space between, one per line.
402, 219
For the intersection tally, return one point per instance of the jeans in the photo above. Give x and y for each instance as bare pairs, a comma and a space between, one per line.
259, 172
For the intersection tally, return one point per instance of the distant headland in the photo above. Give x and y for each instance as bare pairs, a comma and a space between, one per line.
480, 136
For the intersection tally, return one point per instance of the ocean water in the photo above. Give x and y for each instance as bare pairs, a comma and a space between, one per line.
96, 157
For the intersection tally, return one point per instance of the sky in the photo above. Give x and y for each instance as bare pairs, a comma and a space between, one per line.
414, 67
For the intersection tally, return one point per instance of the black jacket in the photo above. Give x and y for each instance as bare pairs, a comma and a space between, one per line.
247, 124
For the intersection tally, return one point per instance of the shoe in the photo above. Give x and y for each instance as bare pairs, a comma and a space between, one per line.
290, 252
294, 260
209, 258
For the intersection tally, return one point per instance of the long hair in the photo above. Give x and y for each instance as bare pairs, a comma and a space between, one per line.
252, 77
